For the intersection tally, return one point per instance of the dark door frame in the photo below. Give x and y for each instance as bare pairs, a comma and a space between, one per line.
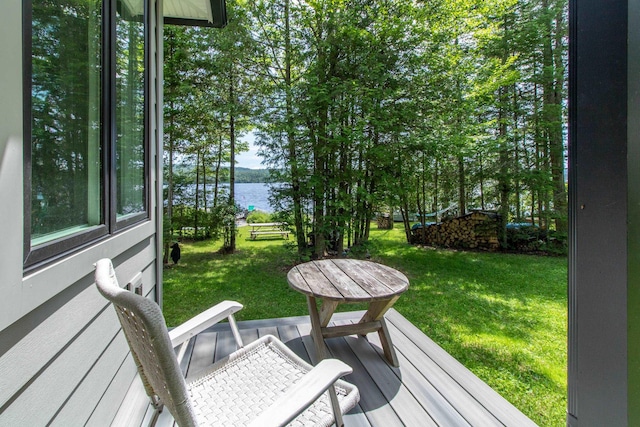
604, 213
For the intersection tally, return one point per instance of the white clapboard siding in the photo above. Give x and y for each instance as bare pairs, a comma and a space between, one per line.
115, 401
50, 389
22, 362
80, 406
75, 362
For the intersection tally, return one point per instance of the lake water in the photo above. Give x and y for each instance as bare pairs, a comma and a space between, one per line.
253, 194
247, 194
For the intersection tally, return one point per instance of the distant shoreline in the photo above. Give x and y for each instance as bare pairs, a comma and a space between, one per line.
251, 176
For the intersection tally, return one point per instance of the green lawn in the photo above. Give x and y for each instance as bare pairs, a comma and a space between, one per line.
503, 316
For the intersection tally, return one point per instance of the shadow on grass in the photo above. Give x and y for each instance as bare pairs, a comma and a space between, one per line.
254, 277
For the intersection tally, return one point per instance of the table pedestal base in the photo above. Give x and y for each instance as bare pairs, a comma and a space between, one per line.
372, 321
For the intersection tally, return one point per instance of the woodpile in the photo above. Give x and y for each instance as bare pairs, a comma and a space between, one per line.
475, 230
385, 221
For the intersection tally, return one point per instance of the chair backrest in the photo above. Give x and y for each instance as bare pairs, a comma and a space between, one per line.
146, 333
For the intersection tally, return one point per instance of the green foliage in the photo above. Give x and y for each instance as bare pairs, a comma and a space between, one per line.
282, 216
245, 175
221, 220
530, 239
416, 106
208, 102
503, 316
258, 216
403, 104
190, 223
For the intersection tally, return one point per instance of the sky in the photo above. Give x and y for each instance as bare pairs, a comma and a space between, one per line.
249, 159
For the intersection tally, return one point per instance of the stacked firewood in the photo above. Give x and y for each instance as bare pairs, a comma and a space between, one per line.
475, 230
385, 222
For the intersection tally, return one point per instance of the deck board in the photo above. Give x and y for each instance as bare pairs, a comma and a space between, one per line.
425, 395
430, 388
447, 401
477, 390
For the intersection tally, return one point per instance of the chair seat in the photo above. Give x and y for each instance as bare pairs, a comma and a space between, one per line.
235, 390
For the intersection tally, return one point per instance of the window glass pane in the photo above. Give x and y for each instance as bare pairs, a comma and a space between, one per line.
66, 127
130, 124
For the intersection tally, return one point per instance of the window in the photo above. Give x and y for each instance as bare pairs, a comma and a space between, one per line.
130, 111
86, 130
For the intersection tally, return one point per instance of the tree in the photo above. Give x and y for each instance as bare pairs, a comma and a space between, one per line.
207, 109
362, 106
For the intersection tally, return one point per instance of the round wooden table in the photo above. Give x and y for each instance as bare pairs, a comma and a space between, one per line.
336, 281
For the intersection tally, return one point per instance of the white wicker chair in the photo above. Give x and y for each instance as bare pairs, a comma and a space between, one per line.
261, 384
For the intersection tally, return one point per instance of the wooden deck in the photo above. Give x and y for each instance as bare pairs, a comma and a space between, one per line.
430, 388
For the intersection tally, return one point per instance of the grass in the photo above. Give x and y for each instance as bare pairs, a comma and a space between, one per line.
503, 316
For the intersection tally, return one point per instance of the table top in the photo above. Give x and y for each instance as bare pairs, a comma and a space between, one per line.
267, 224
347, 280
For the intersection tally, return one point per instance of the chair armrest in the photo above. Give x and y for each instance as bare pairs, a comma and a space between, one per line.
301, 395
202, 321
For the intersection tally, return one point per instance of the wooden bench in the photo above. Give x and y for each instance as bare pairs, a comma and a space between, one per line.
269, 229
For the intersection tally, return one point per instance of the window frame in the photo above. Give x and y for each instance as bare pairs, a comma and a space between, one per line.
35, 257
116, 224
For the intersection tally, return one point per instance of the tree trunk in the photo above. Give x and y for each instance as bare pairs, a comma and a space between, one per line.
232, 162
296, 196
516, 152
169, 217
480, 161
197, 208
204, 181
170, 183
319, 190
462, 196
552, 112
503, 174
436, 188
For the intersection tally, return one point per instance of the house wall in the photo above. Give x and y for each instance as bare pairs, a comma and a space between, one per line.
62, 358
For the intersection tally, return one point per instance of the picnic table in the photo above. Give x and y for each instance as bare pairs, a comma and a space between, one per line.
269, 228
